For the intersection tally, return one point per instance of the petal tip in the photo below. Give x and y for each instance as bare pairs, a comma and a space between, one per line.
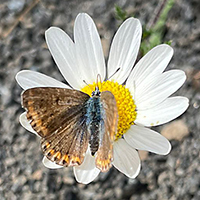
136, 22
51, 30
49, 164
86, 176
136, 172
186, 102
83, 15
17, 76
167, 149
48, 30
25, 123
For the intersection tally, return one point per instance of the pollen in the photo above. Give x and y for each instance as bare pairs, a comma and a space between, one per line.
125, 104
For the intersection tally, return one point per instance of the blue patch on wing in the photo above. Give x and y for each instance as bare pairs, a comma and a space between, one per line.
95, 122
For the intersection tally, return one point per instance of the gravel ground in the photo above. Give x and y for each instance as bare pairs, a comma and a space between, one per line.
23, 176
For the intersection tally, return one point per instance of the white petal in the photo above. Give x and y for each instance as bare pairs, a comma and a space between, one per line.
63, 51
25, 123
152, 92
142, 138
30, 79
49, 164
153, 63
124, 49
166, 111
87, 171
89, 51
126, 159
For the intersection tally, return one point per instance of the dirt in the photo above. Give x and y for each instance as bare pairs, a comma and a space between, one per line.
22, 46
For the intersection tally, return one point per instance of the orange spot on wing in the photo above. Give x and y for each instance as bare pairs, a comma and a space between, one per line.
75, 160
47, 145
38, 122
103, 165
31, 109
30, 103
65, 158
51, 151
58, 155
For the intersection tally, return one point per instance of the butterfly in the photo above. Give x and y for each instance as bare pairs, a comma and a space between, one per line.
70, 121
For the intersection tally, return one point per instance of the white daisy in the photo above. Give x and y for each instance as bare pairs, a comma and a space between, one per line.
142, 102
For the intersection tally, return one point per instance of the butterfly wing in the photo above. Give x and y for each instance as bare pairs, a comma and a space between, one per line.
104, 155
58, 116
67, 147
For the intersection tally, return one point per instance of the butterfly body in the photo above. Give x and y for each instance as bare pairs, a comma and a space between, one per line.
70, 121
95, 121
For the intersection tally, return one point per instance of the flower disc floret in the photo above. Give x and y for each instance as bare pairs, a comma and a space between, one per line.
125, 103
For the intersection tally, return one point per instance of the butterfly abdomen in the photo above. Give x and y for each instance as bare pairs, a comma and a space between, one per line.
94, 123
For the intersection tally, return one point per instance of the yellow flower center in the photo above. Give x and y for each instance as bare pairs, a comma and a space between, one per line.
125, 104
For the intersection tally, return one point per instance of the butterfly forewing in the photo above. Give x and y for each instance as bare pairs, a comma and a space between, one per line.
104, 155
58, 116
48, 108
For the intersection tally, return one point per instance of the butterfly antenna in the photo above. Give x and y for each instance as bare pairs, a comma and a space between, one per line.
98, 80
114, 73
88, 85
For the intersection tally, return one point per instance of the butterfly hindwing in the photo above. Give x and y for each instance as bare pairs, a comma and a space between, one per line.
58, 116
68, 147
104, 156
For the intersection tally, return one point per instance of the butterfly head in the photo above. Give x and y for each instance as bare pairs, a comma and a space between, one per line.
96, 93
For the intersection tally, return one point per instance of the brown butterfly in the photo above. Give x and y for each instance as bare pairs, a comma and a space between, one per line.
69, 121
